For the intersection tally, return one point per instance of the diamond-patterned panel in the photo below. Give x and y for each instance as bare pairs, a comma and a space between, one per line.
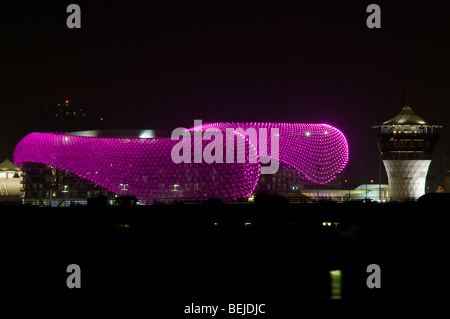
406, 178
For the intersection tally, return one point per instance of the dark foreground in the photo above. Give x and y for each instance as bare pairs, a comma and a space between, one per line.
161, 259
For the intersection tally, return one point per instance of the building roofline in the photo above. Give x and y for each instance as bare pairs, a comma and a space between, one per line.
406, 117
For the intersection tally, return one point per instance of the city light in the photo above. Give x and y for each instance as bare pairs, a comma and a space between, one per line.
336, 284
146, 134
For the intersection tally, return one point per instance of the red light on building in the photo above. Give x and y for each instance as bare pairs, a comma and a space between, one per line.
67, 101
101, 119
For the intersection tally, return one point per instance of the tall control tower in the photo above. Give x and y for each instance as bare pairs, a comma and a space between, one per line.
406, 143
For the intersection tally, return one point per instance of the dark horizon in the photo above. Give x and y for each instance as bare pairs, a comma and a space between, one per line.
160, 66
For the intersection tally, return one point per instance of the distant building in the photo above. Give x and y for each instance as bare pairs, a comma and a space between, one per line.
362, 192
406, 143
286, 181
65, 116
48, 185
10, 182
374, 192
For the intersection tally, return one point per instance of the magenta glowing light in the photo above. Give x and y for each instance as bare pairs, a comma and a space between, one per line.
143, 167
138, 166
318, 151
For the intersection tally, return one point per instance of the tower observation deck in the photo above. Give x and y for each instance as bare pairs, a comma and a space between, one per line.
406, 143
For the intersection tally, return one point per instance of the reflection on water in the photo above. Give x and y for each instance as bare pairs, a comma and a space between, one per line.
336, 284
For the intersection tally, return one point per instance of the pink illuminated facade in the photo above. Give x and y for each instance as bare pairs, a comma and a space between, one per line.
143, 167
318, 151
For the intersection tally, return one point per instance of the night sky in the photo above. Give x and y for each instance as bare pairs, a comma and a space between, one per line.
160, 65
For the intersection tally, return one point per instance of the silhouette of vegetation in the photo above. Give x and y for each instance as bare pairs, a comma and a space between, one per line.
266, 199
296, 244
214, 202
437, 198
99, 201
126, 200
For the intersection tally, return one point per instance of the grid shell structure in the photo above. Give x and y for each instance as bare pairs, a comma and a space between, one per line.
143, 167
318, 151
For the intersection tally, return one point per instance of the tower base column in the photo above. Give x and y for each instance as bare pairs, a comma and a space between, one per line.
406, 178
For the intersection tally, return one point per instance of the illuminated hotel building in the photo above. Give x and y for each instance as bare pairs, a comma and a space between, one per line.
406, 143
142, 165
